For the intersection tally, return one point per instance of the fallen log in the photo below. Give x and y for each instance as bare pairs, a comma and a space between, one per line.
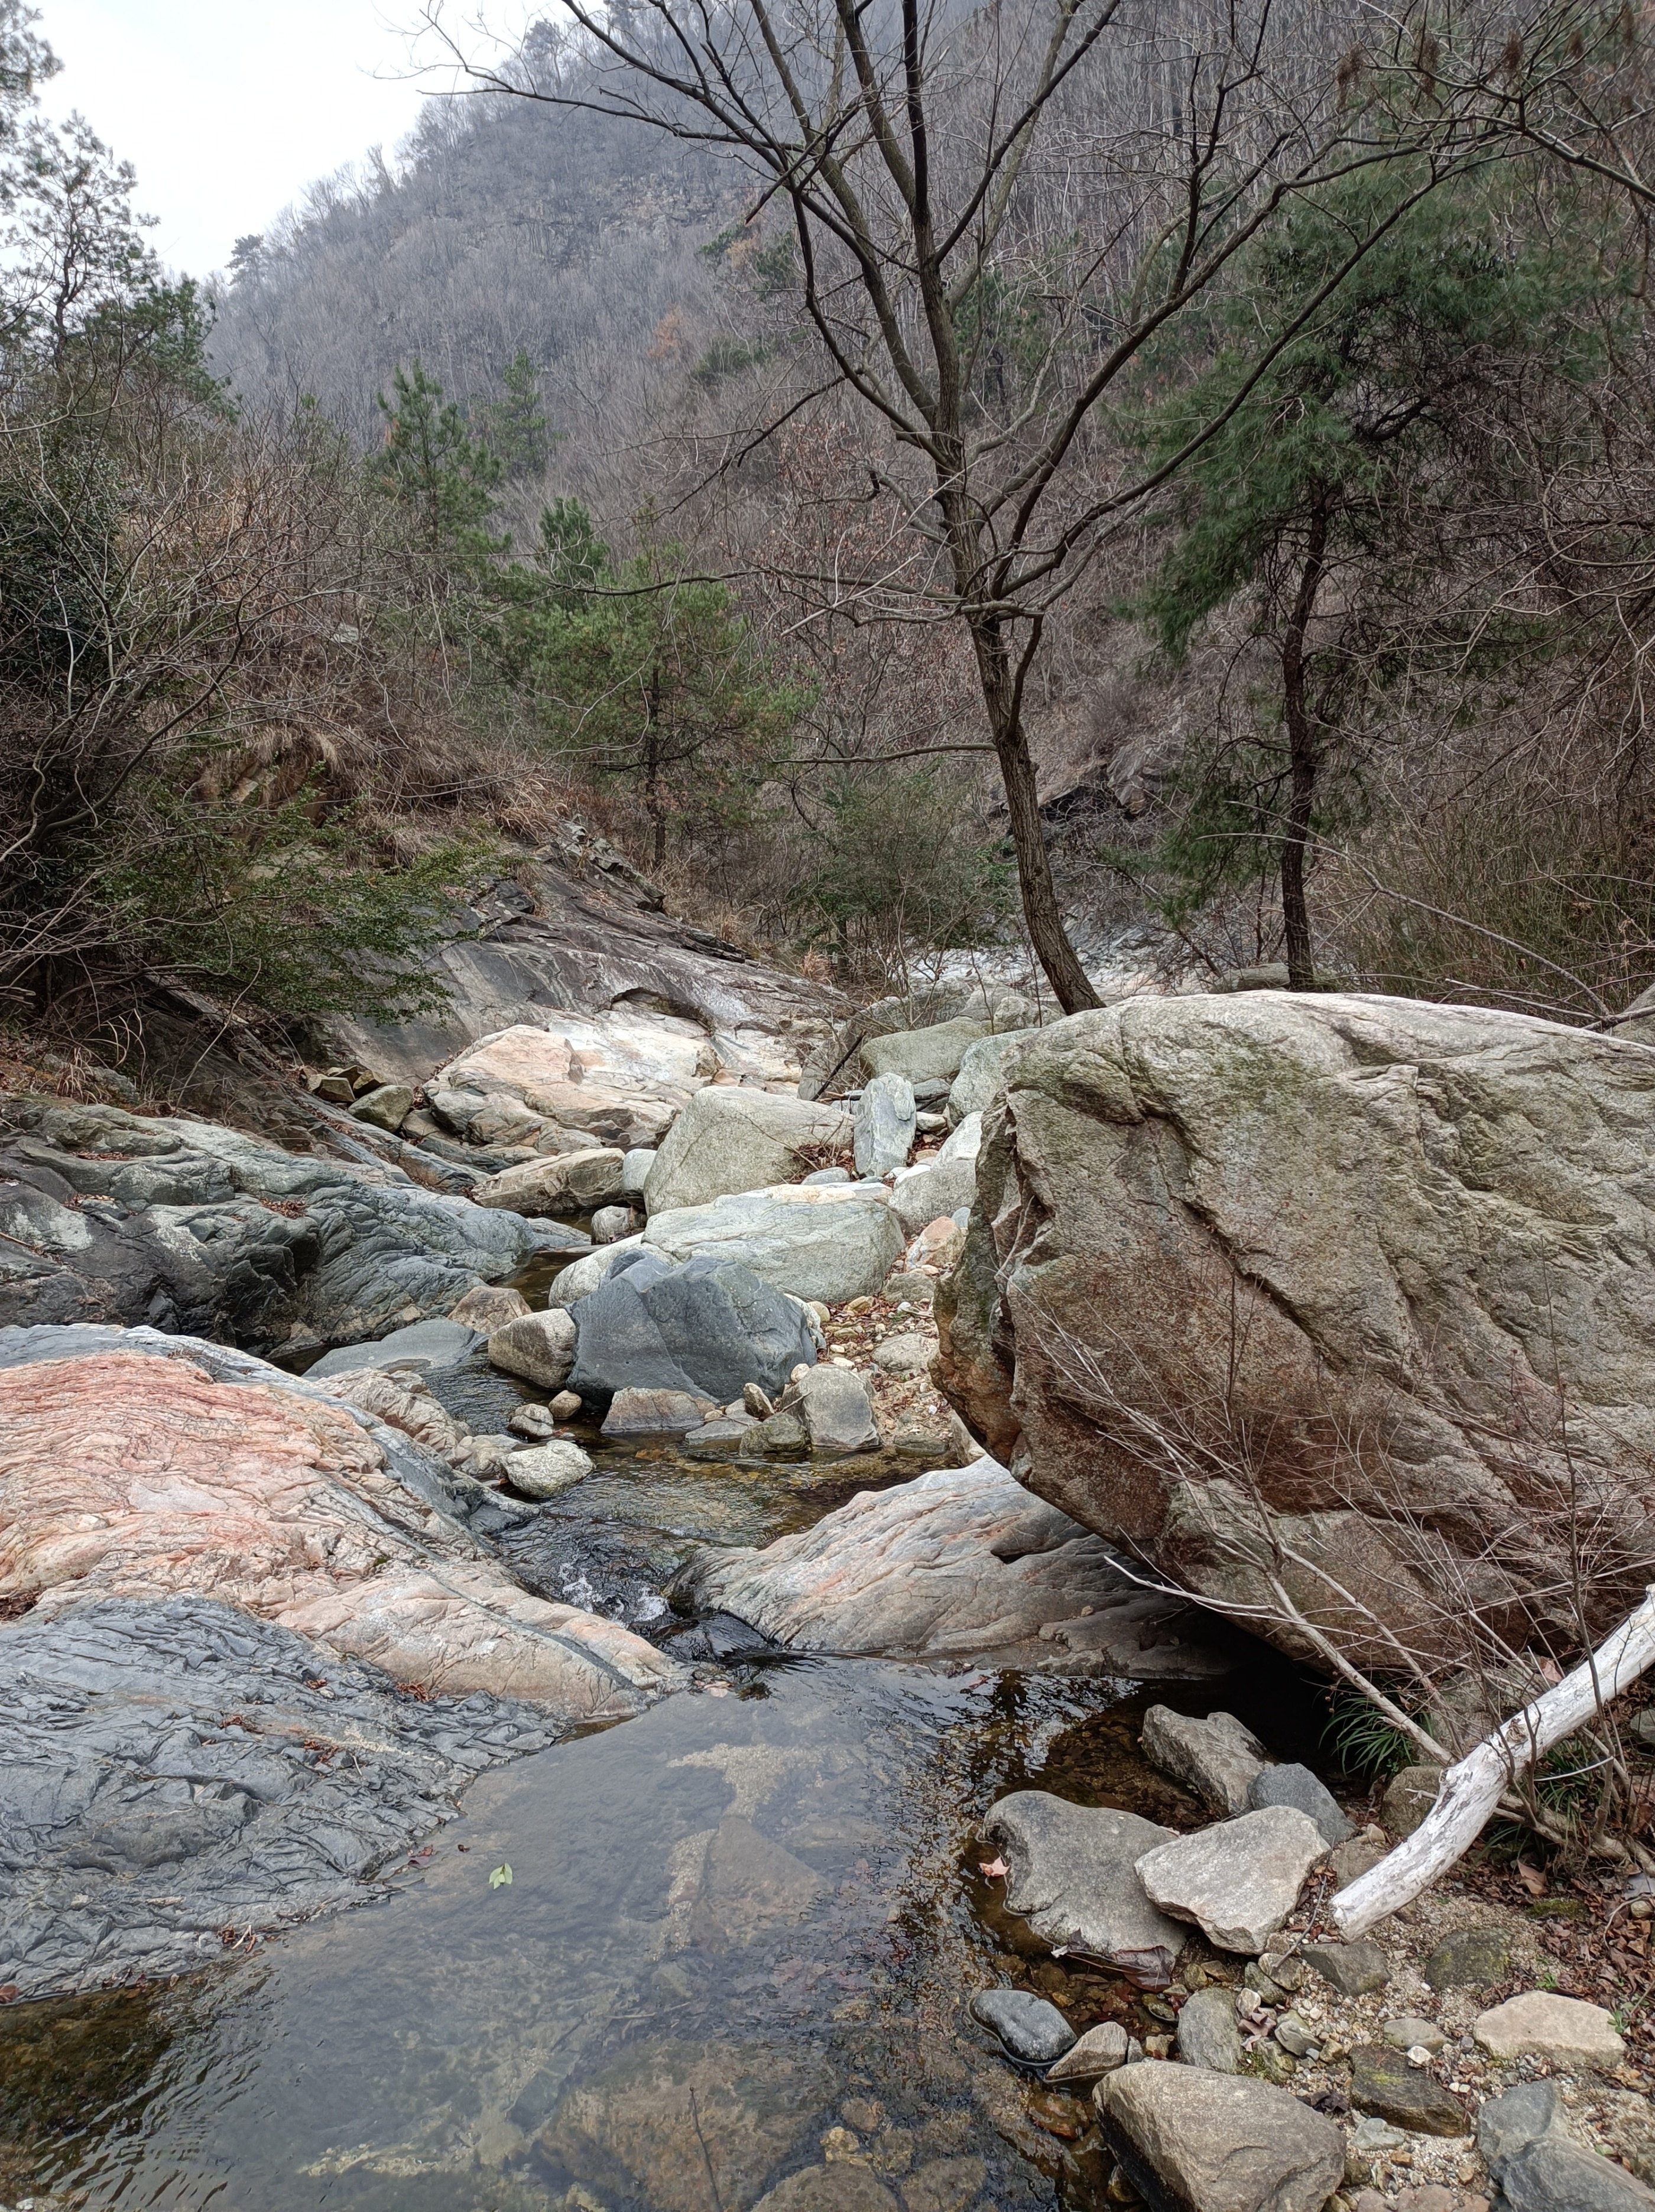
1472, 1788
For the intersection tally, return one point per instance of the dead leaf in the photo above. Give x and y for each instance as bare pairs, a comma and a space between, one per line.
992, 1869
1531, 1878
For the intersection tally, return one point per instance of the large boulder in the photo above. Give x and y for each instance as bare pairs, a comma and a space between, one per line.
733, 1138
1362, 1236
566, 1182
823, 1241
134, 1474
885, 1121
962, 1562
923, 1056
1204, 2141
184, 1226
1071, 1873
707, 1328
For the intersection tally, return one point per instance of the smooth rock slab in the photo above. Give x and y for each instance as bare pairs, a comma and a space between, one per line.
1561, 2028
1072, 1875
1238, 1881
1382, 2082
1217, 1756
1192, 2141
827, 1242
424, 1344
962, 1562
921, 1055
1032, 2028
883, 1125
1297, 1785
1208, 2034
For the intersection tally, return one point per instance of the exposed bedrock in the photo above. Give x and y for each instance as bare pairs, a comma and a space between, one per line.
1374, 1273
189, 1226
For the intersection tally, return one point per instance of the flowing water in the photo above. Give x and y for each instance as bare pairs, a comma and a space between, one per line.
738, 1937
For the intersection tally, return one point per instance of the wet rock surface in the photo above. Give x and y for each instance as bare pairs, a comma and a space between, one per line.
1072, 1876
1030, 2027
176, 1776
187, 1226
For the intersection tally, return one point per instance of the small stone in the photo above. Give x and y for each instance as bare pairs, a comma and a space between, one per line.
1061, 2117
487, 1307
902, 1355
1208, 2035
1295, 2036
732, 1438
1098, 2052
1270, 2062
1470, 1958
862, 2113
653, 1413
1373, 2141
1284, 1968
1029, 2027
611, 1223
839, 2142
1409, 1797
566, 1405
1297, 1785
1158, 2046
1383, 2081
784, 1436
1348, 1862
1410, 2034
1524, 2138
754, 1402
1563, 2028
537, 1423
1354, 1969
1238, 1881
1217, 1756
545, 1469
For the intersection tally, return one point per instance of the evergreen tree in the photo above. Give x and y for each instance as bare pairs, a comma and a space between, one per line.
512, 426
445, 479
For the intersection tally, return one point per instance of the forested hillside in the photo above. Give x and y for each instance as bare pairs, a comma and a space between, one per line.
1195, 519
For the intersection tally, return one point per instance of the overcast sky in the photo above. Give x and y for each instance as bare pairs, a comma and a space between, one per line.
228, 108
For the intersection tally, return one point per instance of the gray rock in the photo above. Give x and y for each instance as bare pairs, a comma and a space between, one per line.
1238, 1881
119, 1777
201, 1231
634, 1169
1098, 2052
538, 1346
1470, 1958
921, 1055
837, 1410
1200, 2142
736, 1138
1567, 2031
1409, 1797
1353, 1969
1382, 2082
1556, 2175
1507, 2125
386, 1107
1218, 1758
426, 1345
1409, 2033
1243, 1172
756, 1401
490, 1306
883, 1125
1071, 1876
821, 1176
962, 1562
830, 1243
733, 1438
611, 1223
923, 1195
1348, 1862
545, 1469
1297, 1785
1030, 2027
1296, 2036
568, 1182
1208, 2034
582, 1276
709, 1327
537, 1423
981, 1066
654, 1413
781, 1435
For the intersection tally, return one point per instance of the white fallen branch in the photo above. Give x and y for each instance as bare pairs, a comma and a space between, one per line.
1471, 1789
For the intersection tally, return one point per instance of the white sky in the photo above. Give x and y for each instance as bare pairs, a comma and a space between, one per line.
228, 108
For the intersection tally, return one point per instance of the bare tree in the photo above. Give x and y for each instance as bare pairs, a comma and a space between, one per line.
997, 212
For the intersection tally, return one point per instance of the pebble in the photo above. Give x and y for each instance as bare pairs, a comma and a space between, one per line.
1030, 2027
1408, 2034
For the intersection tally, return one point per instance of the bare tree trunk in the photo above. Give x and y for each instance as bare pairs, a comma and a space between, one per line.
1303, 760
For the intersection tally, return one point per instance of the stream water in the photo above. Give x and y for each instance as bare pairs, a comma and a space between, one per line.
739, 1935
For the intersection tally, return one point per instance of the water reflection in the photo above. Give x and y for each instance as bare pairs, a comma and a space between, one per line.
733, 1927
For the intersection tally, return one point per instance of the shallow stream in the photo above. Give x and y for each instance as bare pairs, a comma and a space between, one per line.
749, 1919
